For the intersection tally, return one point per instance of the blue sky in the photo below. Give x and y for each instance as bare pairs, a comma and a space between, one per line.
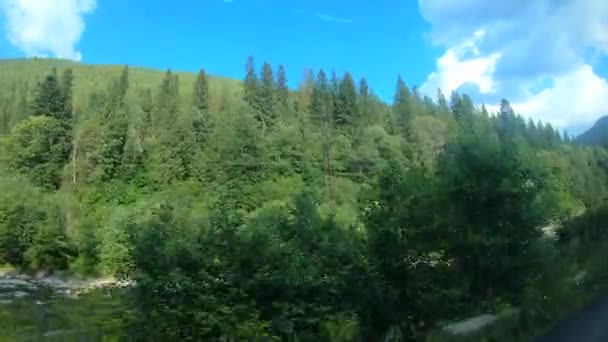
536, 54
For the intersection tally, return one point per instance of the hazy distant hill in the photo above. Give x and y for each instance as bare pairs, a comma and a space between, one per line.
596, 135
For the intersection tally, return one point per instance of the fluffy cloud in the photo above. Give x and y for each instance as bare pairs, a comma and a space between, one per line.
462, 64
46, 27
531, 52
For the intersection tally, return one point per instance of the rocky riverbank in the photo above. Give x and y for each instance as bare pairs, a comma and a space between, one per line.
15, 285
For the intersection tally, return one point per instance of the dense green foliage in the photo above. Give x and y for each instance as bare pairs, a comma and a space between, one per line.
262, 213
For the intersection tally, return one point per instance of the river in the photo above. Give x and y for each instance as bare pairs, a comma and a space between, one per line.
50, 309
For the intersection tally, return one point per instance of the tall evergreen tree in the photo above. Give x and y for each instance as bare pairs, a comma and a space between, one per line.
67, 84
114, 130
321, 99
463, 110
282, 94
5, 119
346, 112
266, 95
442, 104
250, 84
201, 92
322, 109
363, 88
167, 103
122, 85
403, 108
48, 99
22, 103
200, 101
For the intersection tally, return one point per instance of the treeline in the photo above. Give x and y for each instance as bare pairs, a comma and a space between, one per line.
320, 213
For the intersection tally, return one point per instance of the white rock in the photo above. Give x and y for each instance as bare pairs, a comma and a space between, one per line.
471, 324
11, 283
20, 294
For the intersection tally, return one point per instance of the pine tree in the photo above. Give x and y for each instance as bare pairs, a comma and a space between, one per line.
346, 112
122, 85
417, 98
402, 108
442, 104
463, 110
322, 109
48, 98
505, 109
167, 104
67, 83
334, 83
484, 111
5, 119
146, 103
115, 129
567, 138
22, 103
250, 84
549, 135
282, 93
364, 101
321, 99
334, 89
175, 143
558, 137
363, 88
266, 95
200, 102
201, 92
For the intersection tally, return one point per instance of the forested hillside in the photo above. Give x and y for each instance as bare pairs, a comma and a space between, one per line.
251, 211
596, 135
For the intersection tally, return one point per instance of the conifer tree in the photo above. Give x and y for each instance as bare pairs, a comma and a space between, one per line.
167, 103
67, 83
201, 92
322, 109
402, 108
266, 96
363, 88
321, 99
48, 99
200, 102
114, 129
346, 112
282, 93
442, 104
250, 84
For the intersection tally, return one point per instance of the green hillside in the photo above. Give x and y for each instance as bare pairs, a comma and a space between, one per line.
248, 211
596, 135
89, 77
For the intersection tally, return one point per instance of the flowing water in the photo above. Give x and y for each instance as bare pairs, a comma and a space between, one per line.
30, 311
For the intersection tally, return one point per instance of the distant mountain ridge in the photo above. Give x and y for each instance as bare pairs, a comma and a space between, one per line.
596, 135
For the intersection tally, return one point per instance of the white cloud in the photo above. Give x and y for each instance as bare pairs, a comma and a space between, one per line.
463, 64
46, 27
576, 97
524, 44
330, 18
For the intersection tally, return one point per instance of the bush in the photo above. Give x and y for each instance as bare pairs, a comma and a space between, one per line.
31, 231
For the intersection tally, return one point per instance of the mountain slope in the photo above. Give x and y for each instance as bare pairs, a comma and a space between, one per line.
17, 72
596, 135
